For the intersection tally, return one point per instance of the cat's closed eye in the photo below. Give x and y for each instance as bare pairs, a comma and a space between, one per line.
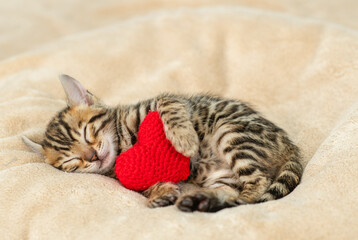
70, 165
85, 135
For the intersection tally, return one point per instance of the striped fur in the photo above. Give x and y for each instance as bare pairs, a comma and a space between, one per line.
237, 156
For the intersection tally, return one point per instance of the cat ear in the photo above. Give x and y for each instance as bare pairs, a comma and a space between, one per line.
75, 92
35, 147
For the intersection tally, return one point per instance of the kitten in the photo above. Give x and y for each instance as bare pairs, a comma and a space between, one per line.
237, 156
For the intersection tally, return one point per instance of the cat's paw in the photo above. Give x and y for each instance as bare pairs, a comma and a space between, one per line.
162, 194
184, 140
164, 200
204, 202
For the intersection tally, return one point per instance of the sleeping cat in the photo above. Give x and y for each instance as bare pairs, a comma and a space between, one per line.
237, 156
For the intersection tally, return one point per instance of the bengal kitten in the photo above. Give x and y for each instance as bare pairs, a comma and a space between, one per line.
236, 155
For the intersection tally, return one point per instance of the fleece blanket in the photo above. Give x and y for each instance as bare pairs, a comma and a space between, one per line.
296, 61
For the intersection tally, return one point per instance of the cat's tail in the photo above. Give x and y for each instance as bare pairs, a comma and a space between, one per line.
287, 178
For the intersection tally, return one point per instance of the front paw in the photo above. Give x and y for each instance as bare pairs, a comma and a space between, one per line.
162, 194
164, 200
184, 141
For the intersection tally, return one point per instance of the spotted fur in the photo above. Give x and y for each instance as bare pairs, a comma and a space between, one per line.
237, 156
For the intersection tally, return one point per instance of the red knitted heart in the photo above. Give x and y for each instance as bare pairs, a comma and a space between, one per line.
152, 159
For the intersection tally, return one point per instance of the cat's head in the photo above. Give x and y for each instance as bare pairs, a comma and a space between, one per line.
82, 137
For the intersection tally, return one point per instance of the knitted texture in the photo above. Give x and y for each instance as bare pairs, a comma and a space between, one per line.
152, 159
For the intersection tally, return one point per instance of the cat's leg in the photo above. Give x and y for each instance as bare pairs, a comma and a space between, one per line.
245, 150
208, 199
254, 186
177, 125
162, 194
219, 188
287, 178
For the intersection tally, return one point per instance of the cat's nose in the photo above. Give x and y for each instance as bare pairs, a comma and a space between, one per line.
94, 156
91, 155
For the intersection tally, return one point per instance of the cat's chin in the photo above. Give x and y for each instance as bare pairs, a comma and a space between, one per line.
107, 163
107, 154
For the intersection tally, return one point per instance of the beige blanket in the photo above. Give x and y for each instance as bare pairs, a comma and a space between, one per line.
296, 61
